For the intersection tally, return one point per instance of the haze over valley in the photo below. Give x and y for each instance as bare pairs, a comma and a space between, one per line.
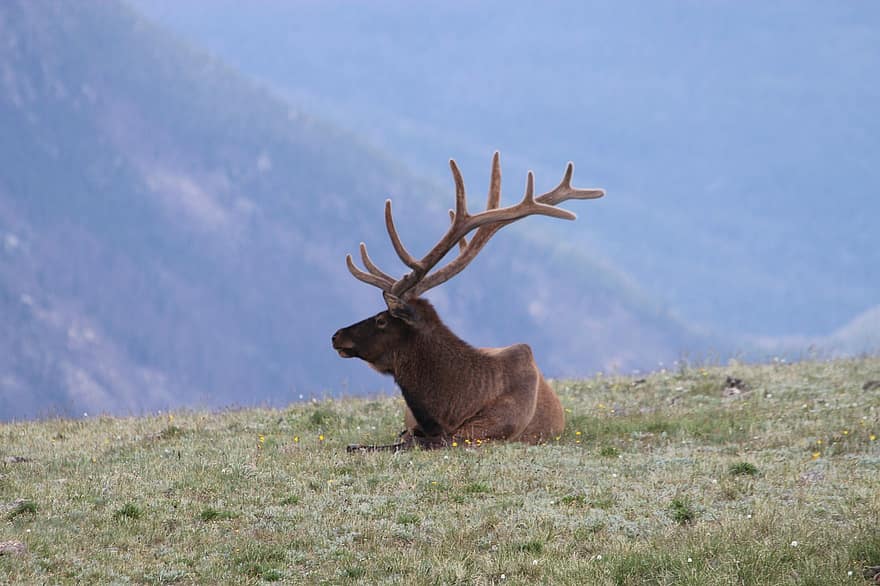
181, 184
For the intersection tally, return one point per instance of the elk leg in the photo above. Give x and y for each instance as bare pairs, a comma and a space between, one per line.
381, 448
407, 439
432, 443
503, 420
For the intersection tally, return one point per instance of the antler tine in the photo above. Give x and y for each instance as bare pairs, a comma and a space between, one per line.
462, 244
401, 250
565, 191
461, 213
529, 196
494, 199
376, 280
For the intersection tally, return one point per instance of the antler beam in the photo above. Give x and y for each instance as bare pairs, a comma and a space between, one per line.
487, 223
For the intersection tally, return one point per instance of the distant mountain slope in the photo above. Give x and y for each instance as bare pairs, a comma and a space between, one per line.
172, 234
740, 139
859, 337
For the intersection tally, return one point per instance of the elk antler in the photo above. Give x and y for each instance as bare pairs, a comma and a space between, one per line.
487, 223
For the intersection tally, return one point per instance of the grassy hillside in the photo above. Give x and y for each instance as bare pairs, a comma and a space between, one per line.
679, 478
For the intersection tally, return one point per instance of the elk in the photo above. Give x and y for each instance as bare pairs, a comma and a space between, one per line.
456, 393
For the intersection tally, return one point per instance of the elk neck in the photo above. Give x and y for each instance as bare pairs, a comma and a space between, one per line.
436, 368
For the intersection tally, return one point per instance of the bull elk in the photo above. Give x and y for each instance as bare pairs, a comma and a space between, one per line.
453, 391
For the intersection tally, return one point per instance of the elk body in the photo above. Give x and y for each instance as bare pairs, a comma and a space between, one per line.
453, 391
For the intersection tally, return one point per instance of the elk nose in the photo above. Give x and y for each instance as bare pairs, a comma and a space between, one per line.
335, 336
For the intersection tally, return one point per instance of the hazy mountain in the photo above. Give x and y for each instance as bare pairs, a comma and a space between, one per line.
856, 338
172, 233
740, 140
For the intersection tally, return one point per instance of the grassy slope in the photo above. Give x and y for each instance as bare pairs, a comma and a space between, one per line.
641, 489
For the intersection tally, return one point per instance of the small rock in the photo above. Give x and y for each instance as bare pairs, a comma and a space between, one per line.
873, 573
733, 387
871, 385
12, 548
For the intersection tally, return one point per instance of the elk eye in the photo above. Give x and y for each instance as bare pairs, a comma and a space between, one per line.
381, 322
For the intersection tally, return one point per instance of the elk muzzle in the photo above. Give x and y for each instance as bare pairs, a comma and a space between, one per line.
343, 344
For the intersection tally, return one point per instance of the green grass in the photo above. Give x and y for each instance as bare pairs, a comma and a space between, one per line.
662, 482
128, 511
683, 511
743, 469
21, 507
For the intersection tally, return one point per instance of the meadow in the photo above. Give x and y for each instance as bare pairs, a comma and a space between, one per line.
735, 474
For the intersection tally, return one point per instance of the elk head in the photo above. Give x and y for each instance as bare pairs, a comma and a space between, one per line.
380, 338
375, 338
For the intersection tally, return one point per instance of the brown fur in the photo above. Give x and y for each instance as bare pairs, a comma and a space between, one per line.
453, 391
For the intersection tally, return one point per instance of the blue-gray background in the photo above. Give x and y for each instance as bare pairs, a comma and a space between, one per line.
181, 181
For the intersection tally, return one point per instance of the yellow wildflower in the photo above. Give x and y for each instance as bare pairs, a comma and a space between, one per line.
321, 437
816, 455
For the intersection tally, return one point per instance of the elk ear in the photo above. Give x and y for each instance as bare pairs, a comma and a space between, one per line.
399, 308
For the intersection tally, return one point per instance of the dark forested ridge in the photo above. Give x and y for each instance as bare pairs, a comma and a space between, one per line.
171, 233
